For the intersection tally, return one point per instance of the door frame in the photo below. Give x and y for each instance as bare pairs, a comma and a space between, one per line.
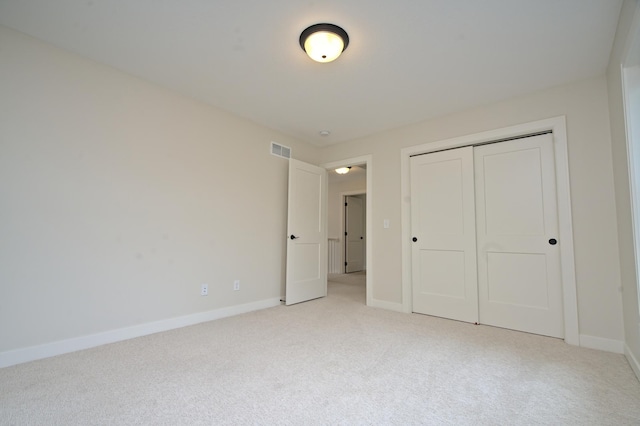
558, 126
354, 161
631, 59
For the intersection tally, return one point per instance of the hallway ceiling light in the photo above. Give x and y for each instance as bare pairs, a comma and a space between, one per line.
324, 42
343, 170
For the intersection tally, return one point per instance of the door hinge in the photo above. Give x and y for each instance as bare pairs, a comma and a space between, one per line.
345, 204
345, 263
345, 234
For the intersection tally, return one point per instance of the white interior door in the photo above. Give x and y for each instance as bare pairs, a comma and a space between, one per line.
354, 238
443, 227
306, 276
519, 276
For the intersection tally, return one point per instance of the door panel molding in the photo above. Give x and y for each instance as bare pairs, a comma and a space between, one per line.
557, 126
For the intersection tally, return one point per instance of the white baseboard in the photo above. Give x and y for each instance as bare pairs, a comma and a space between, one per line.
602, 344
33, 353
633, 361
383, 304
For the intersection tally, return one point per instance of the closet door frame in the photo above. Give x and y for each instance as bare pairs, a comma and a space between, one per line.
557, 126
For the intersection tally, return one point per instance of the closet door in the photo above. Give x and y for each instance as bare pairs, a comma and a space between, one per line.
443, 227
519, 280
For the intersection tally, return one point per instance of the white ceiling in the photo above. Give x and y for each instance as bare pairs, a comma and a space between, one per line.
407, 61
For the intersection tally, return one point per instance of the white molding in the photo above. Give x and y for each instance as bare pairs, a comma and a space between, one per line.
633, 362
602, 344
47, 350
383, 304
631, 58
631, 141
558, 126
354, 161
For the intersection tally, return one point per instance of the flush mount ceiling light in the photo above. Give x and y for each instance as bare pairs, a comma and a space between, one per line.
343, 170
324, 42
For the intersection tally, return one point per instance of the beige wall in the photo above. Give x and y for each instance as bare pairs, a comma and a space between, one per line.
594, 216
628, 270
119, 198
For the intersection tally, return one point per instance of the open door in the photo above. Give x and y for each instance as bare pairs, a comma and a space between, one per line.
306, 276
354, 235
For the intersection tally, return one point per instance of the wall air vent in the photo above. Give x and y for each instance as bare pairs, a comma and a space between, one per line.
280, 150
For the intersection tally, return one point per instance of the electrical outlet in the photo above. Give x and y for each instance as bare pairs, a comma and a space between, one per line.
204, 290
236, 285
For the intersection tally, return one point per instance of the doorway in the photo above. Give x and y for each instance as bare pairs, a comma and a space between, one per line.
354, 233
363, 166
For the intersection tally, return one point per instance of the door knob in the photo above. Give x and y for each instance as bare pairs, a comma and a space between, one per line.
414, 239
293, 237
553, 241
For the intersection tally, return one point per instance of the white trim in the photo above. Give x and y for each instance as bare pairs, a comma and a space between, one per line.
633, 173
602, 344
558, 126
630, 56
631, 142
33, 353
383, 304
633, 362
354, 161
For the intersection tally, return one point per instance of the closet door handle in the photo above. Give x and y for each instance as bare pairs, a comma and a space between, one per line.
414, 239
553, 241
293, 237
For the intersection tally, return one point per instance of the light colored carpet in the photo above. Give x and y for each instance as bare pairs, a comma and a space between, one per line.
328, 361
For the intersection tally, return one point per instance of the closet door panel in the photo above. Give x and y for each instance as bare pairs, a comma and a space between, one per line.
444, 277
519, 279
